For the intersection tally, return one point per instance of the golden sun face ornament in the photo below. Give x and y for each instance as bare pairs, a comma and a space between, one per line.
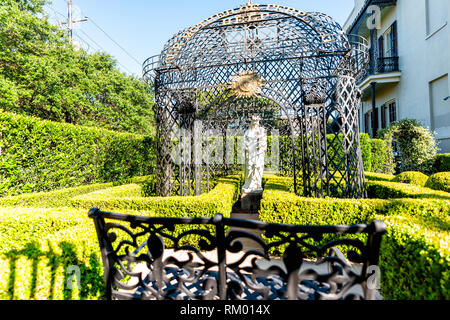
246, 84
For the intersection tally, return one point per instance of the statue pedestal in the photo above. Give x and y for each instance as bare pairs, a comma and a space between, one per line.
250, 200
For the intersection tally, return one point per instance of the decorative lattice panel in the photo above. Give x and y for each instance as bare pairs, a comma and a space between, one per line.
296, 70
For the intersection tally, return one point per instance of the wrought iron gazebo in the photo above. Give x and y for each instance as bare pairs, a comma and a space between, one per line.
296, 70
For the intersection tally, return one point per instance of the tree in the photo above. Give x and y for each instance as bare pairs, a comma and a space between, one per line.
42, 75
416, 145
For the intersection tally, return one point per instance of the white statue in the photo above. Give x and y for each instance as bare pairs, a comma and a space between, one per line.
255, 146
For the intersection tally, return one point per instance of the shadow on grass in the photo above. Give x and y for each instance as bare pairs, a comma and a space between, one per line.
89, 286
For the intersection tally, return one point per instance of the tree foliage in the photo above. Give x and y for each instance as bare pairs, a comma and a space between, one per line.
416, 145
42, 75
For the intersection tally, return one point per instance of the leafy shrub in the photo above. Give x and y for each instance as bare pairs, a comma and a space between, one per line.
411, 177
39, 155
127, 191
58, 198
366, 151
149, 188
374, 154
129, 197
416, 144
381, 160
20, 225
442, 163
439, 181
274, 182
281, 206
336, 152
38, 246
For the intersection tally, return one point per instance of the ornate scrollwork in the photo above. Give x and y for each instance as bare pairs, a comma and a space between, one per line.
138, 265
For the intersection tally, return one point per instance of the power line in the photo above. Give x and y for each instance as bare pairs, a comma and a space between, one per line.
89, 45
94, 42
123, 49
56, 13
100, 48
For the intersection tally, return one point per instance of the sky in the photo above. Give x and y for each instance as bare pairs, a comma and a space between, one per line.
133, 30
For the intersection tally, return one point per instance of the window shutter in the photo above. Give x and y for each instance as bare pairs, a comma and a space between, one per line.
366, 122
394, 39
375, 122
381, 47
383, 116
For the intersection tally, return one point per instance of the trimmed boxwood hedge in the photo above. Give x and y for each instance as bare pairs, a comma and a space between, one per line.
55, 199
58, 198
392, 190
38, 155
414, 250
372, 176
39, 246
129, 197
415, 258
290, 208
439, 181
219, 200
373, 153
412, 177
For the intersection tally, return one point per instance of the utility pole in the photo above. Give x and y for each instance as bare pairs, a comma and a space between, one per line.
70, 22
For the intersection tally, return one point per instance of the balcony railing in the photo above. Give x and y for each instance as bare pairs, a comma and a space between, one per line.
385, 65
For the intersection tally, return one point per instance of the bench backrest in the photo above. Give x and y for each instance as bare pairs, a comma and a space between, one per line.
143, 259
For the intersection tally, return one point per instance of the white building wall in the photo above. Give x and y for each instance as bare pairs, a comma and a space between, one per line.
424, 56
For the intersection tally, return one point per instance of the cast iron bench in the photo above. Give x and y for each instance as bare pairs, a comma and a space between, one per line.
137, 264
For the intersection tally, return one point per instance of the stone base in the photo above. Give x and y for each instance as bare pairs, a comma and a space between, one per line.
251, 200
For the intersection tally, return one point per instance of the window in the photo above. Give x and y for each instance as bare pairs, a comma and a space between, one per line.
388, 50
387, 43
437, 15
392, 112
